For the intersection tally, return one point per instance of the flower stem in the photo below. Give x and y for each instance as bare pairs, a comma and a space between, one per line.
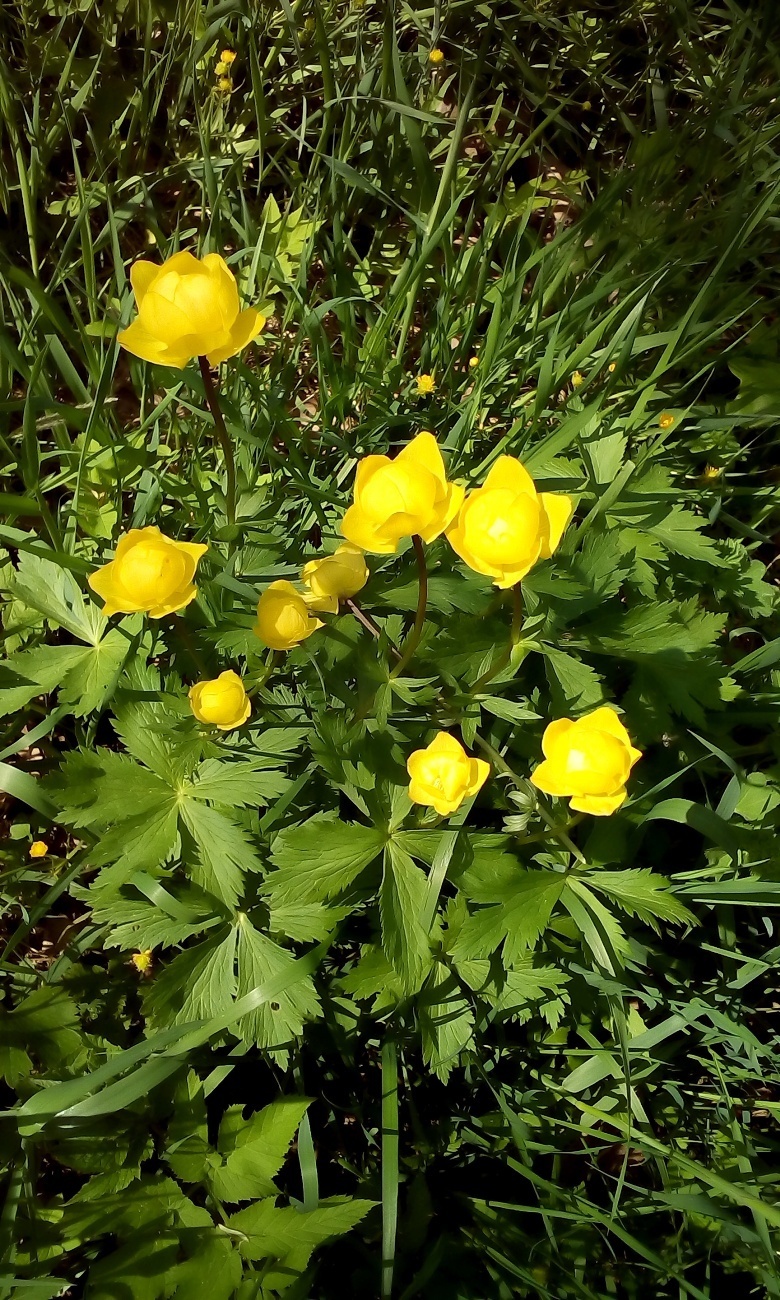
369, 624
413, 639
527, 788
222, 437
514, 636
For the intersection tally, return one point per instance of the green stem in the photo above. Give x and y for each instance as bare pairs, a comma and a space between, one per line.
368, 623
265, 672
389, 1163
222, 437
413, 639
514, 636
530, 790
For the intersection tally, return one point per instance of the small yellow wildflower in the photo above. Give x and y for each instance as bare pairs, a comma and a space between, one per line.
666, 420
227, 56
225, 84
577, 379
473, 363
711, 472
436, 57
612, 367
142, 960
221, 68
425, 385
39, 849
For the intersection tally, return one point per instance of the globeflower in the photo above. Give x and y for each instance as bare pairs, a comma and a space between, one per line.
402, 497
283, 618
587, 761
188, 308
221, 702
335, 577
150, 574
443, 775
505, 526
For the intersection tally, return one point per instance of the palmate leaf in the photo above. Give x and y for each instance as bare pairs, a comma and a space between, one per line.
51, 589
644, 894
236, 785
85, 675
288, 1237
320, 859
136, 923
224, 853
273, 1025
524, 985
446, 1021
401, 903
98, 788
253, 1150
525, 901
198, 984
598, 927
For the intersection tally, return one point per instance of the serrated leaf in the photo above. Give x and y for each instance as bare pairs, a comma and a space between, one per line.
197, 985
273, 1025
225, 852
288, 1236
643, 893
574, 685
235, 785
52, 590
526, 900
401, 903
320, 859
680, 533
99, 788
254, 1149
446, 1021
599, 928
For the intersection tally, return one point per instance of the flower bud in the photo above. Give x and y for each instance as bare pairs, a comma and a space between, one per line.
150, 574
283, 618
443, 775
335, 577
221, 702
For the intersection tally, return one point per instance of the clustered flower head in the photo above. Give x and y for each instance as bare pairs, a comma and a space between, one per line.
223, 69
187, 308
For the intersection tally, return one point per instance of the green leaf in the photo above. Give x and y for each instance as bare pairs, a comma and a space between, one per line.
254, 1150
526, 900
642, 893
99, 788
225, 852
235, 785
275, 1024
679, 533
54, 592
319, 860
187, 1149
288, 1236
598, 927
196, 985
446, 1021
401, 903
574, 686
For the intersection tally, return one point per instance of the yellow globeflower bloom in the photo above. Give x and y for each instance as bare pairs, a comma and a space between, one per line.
222, 702
505, 526
283, 618
142, 960
426, 384
188, 308
335, 577
443, 775
587, 761
401, 497
150, 574
38, 849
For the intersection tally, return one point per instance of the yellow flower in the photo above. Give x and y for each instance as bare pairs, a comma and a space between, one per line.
426, 384
612, 367
436, 56
666, 420
38, 849
221, 68
142, 960
505, 526
711, 472
227, 56
587, 761
401, 497
577, 379
188, 308
226, 85
222, 702
443, 775
149, 574
283, 618
335, 577
473, 363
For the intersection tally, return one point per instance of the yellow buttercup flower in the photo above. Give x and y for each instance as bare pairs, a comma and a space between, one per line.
149, 574
283, 618
221, 702
188, 308
227, 56
577, 379
443, 775
142, 960
587, 761
335, 577
221, 68
612, 367
226, 85
38, 849
711, 472
426, 384
666, 420
401, 497
505, 526
436, 56
473, 362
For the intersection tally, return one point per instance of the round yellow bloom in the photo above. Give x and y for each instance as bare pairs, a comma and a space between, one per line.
612, 367
221, 68
335, 577
666, 420
443, 775
436, 56
226, 85
587, 761
577, 380
426, 384
188, 308
401, 497
711, 472
505, 526
473, 363
150, 574
142, 960
38, 849
283, 618
227, 56
222, 702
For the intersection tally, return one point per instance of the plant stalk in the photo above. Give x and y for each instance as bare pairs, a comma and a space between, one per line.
413, 639
223, 438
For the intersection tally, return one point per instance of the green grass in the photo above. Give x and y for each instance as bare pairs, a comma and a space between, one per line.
569, 190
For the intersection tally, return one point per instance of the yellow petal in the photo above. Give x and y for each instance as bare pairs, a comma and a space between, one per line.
479, 771
358, 529
193, 551
424, 451
323, 604
138, 341
174, 603
557, 510
444, 743
606, 719
247, 326
510, 577
366, 469
183, 263
547, 779
509, 474
142, 276
598, 805
553, 735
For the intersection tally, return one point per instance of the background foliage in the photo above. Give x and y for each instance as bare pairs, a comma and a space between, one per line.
513, 1069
